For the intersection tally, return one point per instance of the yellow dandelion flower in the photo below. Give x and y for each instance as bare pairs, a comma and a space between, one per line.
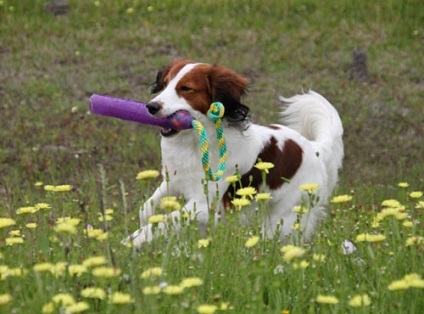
300, 265
203, 243
232, 179
318, 257
96, 3
43, 206
77, 307
300, 209
326, 299
130, 10
58, 269
391, 203
6, 222
173, 290
120, 298
13, 241
26, 210
416, 194
105, 217
366, 237
207, 309
240, 202
246, 192
341, 198
49, 188
225, 306
291, 252
64, 299
169, 203
97, 234
109, 211
151, 272
69, 220
62, 188
151, 290
31, 225
48, 308
309, 187
261, 197
106, 272
94, 261
398, 285
191, 282
42, 267
155, 219
102, 236
252, 241
15, 233
93, 293
401, 216
403, 184
77, 270
415, 240
5, 298
38, 183
147, 174
408, 224
296, 226
360, 300
264, 166
65, 227
420, 204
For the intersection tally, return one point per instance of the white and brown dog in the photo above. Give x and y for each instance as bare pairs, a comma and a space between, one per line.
305, 148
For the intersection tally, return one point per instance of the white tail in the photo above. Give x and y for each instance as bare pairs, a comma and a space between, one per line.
317, 120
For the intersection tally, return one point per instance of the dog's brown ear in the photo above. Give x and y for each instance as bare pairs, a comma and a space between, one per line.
226, 84
228, 88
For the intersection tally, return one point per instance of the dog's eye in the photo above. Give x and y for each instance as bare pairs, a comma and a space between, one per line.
185, 88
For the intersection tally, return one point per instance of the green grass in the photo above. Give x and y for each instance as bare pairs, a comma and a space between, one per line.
49, 66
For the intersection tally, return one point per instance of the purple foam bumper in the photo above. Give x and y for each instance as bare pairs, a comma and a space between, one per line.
131, 110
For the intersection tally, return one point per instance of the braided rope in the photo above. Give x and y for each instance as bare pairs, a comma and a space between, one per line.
215, 113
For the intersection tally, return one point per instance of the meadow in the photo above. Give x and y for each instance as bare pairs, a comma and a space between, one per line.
69, 191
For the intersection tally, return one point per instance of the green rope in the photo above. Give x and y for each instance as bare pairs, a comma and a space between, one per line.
215, 113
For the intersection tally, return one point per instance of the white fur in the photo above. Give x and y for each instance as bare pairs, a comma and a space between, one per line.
309, 120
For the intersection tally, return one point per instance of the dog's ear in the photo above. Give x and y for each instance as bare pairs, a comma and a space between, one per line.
226, 84
228, 88
159, 83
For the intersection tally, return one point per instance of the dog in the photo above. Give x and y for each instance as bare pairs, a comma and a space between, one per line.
306, 147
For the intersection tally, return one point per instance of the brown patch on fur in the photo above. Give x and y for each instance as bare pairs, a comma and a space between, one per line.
274, 127
286, 162
195, 88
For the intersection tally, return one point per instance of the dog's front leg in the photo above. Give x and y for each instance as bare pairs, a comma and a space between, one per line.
192, 211
148, 208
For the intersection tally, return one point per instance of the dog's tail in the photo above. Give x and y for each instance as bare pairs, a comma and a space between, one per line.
317, 120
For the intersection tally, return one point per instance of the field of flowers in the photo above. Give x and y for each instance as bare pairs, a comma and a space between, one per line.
61, 256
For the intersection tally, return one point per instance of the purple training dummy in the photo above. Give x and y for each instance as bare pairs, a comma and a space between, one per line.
131, 110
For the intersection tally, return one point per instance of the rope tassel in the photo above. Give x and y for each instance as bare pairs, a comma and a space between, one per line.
215, 113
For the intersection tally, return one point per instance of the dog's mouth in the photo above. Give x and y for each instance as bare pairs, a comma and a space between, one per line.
168, 132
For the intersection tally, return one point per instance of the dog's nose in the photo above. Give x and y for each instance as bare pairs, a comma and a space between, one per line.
153, 107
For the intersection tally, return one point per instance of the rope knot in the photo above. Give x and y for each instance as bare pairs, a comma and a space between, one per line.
216, 111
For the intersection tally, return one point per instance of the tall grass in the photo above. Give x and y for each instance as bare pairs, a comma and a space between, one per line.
361, 250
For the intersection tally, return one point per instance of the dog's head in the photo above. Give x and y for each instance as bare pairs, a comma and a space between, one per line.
191, 86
